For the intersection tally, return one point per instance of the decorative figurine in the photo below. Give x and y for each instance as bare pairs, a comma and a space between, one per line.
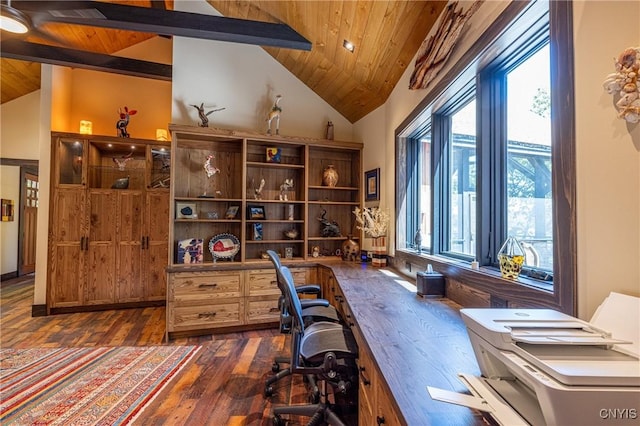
257, 192
286, 186
122, 162
329, 229
122, 124
209, 168
275, 112
204, 120
329, 134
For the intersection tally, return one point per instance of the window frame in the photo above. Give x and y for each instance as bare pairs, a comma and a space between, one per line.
517, 20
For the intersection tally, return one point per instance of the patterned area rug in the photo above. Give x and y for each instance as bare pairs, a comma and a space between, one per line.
84, 386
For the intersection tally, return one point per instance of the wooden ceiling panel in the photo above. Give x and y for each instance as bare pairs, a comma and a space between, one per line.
18, 78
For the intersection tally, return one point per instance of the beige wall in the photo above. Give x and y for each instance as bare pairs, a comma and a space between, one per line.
608, 150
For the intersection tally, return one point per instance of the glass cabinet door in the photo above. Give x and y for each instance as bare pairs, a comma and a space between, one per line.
160, 167
71, 161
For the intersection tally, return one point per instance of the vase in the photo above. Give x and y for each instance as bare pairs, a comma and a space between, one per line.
511, 258
330, 176
379, 249
350, 249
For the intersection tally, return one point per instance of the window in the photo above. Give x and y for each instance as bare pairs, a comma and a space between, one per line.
489, 158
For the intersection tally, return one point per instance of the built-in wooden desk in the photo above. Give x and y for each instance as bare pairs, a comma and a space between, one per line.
412, 341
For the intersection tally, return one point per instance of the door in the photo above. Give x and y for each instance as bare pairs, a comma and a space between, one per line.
131, 244
28, 223
101, 264
156, 246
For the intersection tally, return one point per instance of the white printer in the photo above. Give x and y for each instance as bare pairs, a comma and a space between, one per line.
542, 367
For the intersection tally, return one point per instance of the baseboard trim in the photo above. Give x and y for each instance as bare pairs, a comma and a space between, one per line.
9, 276
39, 310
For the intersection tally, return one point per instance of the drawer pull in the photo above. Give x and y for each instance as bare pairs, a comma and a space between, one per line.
274, 310
274, 282
365, 381
207, 315
208, 285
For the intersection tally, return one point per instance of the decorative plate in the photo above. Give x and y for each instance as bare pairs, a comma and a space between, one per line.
224, 246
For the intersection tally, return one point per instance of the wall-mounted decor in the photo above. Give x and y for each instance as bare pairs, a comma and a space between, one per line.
372, 185
624, 84
231, 213
186, 210
7, 210
256, 212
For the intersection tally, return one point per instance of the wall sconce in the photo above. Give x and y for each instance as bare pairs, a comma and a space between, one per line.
86, 127
161, 135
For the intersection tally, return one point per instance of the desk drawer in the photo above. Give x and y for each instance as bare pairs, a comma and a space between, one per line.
262, 282
205, 316
262, 310
207, 286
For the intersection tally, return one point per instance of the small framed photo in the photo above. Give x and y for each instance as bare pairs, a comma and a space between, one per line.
256, 231
274, 155
186, 210
190, 250
372, 185
256, 213
232, 212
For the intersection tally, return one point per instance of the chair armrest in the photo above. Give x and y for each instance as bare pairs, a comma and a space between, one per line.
308, 289
306, 303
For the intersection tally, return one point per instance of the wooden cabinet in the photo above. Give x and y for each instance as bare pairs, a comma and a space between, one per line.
109, 223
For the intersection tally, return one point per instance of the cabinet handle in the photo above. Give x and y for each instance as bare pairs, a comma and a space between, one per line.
214, 285
85, 244
142, 243
146, 241
380, 420
207, 315
365, 381
274, 310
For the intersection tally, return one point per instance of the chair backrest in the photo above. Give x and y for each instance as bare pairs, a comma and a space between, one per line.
291, 298
275, 259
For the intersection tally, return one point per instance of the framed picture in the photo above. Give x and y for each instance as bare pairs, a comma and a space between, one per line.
274, 155
257, 231
372, 185
231, 213
256, 212
186, 210
190, 250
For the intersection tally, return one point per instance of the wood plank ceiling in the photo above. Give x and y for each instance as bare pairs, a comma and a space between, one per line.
386, 35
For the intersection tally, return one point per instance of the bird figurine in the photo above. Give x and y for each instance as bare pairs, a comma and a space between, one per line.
122, 162
258, 191
275, 112
204, 117
209, 168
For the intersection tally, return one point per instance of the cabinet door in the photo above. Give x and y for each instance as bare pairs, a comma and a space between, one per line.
130, 246
156, 255
68, 256
101, 265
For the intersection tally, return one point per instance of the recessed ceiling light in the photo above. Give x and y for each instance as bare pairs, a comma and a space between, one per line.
348, 45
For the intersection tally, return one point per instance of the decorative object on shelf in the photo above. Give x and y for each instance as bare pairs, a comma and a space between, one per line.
204, 117
315, 251
374, 222
329, 228
224, 246
511, 258
435, 50
209, 168
121, 162
257, 192
350, 250
288, 252
273, 155
186, 210
289, 211
76, 164
330, 176
232, 212
123, 122
212, 215
379, 251
372, 185
329, 133
275, 112
122, 183
625, 84
417, 241
257, 231
86, 127
287, 185
7, 210
190, 250
255, 212
291, 234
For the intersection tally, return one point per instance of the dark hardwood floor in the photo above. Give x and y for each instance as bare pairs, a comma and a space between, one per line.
222, 386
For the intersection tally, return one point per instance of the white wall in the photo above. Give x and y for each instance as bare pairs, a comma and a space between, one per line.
9, 189
244, 79
608, 150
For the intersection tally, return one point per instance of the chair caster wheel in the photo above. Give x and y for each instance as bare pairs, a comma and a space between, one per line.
277, 420
275, 367
268, 391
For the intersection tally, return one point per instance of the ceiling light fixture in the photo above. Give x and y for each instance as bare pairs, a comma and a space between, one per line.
13, 20
349, 46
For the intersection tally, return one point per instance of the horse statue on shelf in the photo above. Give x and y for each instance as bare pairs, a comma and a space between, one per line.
275, 112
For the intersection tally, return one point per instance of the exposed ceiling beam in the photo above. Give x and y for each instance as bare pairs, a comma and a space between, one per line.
26, 51
166, 22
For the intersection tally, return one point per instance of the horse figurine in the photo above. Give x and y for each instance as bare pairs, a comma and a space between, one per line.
204, 120
122, 124
274, 113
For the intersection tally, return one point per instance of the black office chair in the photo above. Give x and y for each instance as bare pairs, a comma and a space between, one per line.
323, 349
313, 310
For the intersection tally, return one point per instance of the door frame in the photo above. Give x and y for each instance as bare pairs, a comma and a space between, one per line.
24, 170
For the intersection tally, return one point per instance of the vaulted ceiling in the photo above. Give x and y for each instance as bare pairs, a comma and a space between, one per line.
386, 35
